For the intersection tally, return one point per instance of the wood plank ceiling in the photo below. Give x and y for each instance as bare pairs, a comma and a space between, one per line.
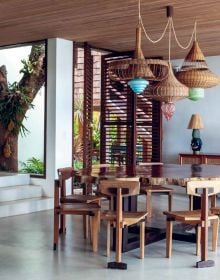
109, 24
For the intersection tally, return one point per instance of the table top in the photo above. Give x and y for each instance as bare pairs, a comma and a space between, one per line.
158, 174
200, 154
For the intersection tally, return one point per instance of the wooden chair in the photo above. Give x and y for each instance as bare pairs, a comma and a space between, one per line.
85, 205
64, 174
200, 218
119, 219
149, 190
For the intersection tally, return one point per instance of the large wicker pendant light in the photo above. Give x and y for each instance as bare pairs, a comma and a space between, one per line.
195, 74
169, 89
137, 70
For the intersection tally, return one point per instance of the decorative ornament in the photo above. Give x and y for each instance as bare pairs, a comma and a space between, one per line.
7, 150
168, 110
11, 126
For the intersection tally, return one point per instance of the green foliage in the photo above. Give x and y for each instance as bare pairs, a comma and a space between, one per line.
12, 105
96, 130
33, 166
77, 164
32, 61
15, 101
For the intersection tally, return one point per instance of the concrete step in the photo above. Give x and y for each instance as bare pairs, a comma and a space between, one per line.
13, 179
20, 192
25, 206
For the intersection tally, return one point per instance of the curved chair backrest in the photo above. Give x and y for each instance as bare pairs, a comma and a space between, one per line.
128, 186
196, 187
65, 174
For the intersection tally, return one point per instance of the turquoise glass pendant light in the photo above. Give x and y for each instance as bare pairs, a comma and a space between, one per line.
138, 85
196, 94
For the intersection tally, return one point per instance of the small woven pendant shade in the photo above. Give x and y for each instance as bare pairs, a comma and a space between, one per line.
194, 72
168, 91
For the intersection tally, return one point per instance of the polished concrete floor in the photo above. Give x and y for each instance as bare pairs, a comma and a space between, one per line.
26, 253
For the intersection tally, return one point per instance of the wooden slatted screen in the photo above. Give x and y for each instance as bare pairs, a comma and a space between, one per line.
88, 107
118, 106
83, 95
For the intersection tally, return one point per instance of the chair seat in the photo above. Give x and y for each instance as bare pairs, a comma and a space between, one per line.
80, 198
215, 210
155, 189
129, 218
79, 208
187, 216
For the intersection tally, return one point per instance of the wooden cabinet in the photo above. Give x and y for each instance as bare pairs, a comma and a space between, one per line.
199, 158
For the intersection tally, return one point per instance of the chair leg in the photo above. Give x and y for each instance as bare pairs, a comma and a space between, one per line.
108, 239
215, 228
142, 239
170, 196
149, 204
62, 223
169, 233
86, 226
56, 230
198, 240
213, 200
90, 222
190, 202
95, 231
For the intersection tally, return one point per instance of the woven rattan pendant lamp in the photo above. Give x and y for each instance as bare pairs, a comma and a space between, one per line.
138, 71
135, 70
195, 73
169, 90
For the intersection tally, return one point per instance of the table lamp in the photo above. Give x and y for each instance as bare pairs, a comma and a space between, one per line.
196, 124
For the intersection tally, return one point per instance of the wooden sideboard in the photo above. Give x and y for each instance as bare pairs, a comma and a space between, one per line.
202, 158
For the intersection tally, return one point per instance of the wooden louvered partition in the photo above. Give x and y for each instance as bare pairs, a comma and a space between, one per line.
127, 121
83, 100
87, 107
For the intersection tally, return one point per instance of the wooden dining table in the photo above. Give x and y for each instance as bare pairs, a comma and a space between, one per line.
156, 174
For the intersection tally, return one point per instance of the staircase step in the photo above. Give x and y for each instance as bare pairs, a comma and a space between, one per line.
13, 179
25, 206
20, 192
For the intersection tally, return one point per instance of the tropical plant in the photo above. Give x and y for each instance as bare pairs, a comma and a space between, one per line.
33, 166
96, 130
15, 100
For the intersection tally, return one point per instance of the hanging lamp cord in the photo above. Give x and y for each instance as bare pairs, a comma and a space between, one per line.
169, 24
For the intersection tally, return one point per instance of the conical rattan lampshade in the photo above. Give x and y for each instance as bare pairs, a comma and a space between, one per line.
194, 72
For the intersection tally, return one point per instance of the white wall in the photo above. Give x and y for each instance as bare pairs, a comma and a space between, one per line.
59, 111
176, 136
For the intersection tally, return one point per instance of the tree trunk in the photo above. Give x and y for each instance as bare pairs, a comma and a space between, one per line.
31, 82
9, 151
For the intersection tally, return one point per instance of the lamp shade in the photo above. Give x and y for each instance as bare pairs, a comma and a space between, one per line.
138, 85
195, 122
196, 93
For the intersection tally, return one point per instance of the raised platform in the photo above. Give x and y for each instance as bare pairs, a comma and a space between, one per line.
18, 196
